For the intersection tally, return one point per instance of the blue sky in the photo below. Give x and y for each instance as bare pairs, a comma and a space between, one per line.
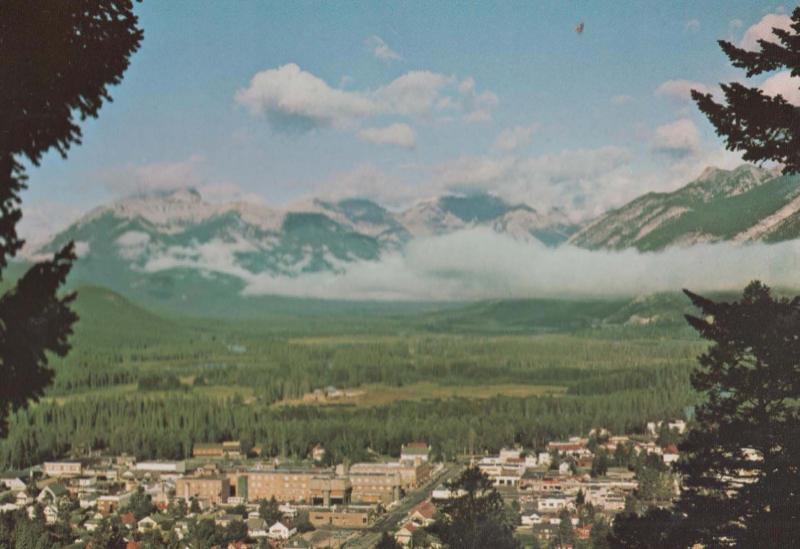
276, 101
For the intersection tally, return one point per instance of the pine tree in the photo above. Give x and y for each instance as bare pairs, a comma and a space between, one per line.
57, 63
741, 462
478, 518
763, 127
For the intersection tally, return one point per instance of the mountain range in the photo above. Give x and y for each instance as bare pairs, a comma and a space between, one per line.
177, 247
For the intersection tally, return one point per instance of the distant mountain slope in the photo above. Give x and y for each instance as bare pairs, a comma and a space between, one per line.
744, 204
176, 248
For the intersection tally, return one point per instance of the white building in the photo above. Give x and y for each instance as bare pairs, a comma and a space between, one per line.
281, 531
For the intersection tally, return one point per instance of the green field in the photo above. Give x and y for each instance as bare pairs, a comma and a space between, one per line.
495, 373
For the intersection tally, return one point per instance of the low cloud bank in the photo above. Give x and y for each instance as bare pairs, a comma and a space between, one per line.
481, 264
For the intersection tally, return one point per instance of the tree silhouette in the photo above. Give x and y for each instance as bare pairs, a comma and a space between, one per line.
58, 60
476, 519
764, 127
741, 463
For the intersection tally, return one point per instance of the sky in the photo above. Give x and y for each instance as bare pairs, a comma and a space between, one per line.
278, 101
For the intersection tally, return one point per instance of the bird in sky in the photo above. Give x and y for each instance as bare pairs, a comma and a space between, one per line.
579, 28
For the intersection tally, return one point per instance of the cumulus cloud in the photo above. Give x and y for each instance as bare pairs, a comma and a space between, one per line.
414, 93
513, 138
680, 90
784, 84
677, 139
481, 264
381, 49
399, 135
763, 30
477, 106
295, 100
692, 25
154, 176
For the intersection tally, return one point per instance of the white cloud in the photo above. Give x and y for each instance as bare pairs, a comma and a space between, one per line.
399, 135
154, 176
132, 245
763, 30
784, 84
481, 264
513, 138
414, 93
680, 90
294, 99
477, 107
677, 139
381, 50
692, 25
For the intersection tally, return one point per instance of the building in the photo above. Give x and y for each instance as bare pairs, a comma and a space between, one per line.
382, 487
109, 503
423, 514
412, 474
553, 503
12, 482
341, 517
314, 486
212, 490
405, 533
207, 450
257, 527
63, 468
175, 467
414, 451
279, 530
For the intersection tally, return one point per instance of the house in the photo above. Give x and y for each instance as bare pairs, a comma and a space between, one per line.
63, 468
257, 527
146, 524
50, 514
670, 454
13, 482
207, 450
405, 533
529, 519
279, 530
552, 503
23, 499
423, 513
414, 451
52, 493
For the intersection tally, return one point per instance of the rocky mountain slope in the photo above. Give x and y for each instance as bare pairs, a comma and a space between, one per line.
740, 205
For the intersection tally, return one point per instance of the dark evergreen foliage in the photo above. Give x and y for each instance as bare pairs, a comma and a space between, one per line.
741, 463
763, 127
477, 519
58, 59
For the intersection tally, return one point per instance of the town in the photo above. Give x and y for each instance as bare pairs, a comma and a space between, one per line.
236, 499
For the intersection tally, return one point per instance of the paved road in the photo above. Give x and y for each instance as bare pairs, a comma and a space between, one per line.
390, 520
